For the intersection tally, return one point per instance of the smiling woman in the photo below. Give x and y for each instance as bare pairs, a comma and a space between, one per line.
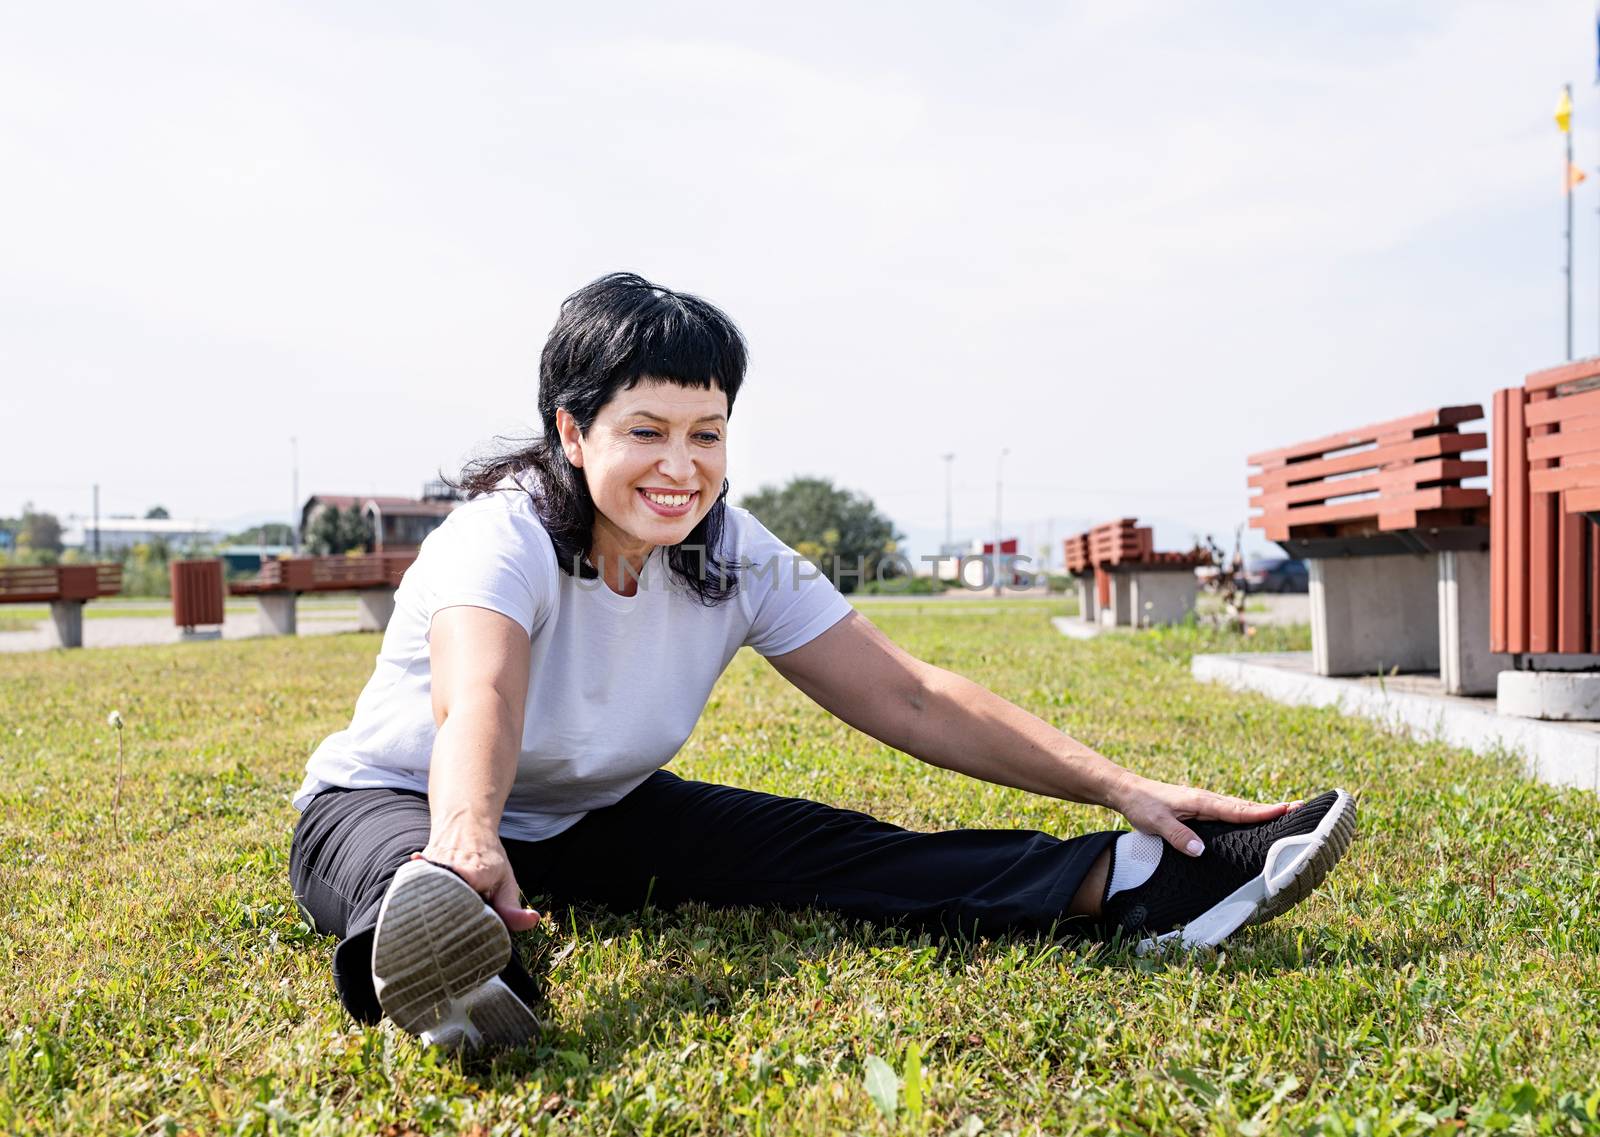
553, 647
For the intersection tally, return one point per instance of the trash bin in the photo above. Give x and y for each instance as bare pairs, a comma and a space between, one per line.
197, 594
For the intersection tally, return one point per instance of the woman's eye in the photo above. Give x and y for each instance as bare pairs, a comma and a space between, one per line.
710, 436
644, 432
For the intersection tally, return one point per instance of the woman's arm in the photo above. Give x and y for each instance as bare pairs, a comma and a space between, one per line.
479, 662
863, 677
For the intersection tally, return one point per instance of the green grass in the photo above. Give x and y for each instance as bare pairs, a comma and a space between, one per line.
1444, 978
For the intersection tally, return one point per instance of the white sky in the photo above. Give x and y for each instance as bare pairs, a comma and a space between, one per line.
1131, 242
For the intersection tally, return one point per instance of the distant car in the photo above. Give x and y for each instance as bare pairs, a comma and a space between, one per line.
1276, 574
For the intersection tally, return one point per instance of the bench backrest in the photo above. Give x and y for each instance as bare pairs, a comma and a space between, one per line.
1123, 542
1544, 586
333, 574
20, 584
1399, 474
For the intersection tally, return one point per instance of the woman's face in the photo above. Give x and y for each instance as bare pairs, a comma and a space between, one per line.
654, 459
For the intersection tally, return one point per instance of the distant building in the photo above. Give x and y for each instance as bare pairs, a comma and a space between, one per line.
398, 523
247, 558
118, 533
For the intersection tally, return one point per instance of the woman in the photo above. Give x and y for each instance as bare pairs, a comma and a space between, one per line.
553, 647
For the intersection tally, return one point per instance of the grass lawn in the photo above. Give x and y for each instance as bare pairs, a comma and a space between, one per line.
157, 978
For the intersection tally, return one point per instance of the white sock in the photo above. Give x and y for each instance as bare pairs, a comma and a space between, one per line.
1133, 859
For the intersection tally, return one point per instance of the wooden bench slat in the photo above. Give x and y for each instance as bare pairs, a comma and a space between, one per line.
32, 584
1573, 474
1576, 436
1397, 480
1547, 411
1394, 430
1416, 449
1565, 373
1441, 497
1585, 500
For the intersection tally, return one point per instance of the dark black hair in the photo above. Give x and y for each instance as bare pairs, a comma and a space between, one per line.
610, 335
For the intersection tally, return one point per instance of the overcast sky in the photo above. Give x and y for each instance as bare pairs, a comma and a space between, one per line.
1131, 242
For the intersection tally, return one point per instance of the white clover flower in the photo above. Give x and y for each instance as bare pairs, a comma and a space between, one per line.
114, 719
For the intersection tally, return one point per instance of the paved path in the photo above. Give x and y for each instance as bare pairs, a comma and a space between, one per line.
131, 631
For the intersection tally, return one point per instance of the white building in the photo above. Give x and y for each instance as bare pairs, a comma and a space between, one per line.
118, 533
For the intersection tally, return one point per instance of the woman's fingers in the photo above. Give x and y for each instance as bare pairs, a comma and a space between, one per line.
1221, 807
507, 904
1181, 837
498, 887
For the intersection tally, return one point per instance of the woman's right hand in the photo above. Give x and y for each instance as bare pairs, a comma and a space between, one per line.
480, 860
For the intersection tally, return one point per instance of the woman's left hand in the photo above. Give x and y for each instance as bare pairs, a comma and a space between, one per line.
1161, 808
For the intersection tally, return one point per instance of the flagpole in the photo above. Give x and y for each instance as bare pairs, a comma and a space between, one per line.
1566, 177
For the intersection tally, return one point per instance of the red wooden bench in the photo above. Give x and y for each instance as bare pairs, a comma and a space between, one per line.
1116, 566
1391, 487
66, 588
1396, 545
1546, 557
372, 576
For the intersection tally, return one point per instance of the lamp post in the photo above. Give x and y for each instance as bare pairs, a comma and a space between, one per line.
999, 475
949, 529
294, 490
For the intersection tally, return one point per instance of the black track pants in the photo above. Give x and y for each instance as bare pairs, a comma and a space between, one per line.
672, 841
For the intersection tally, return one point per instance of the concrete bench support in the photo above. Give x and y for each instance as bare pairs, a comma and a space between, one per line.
1411, 612
1144, 598
276, 610
1163, 597
1375, 614
1088, 601
1119, 613
66, 623
1466, 665
374, 607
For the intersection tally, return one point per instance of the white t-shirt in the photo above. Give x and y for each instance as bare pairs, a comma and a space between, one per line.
615, 683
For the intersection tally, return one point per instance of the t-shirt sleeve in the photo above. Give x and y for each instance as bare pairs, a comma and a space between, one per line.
790, 601
490, 554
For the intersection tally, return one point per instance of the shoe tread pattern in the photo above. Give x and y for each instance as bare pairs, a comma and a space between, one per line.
436, 942
1311, 872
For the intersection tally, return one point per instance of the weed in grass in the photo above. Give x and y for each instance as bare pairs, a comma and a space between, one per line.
1444, 979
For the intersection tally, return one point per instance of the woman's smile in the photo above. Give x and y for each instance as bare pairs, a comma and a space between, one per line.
670, 503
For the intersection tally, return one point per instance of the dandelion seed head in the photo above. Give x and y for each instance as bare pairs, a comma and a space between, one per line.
114, 719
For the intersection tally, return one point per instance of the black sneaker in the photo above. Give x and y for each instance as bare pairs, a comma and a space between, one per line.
1247, 875
437, 955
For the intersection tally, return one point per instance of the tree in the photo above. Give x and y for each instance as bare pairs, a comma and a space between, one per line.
157, 513
335, 530
836, 529
39, 533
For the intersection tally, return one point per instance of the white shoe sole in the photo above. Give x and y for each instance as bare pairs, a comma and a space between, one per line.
437, 954
1295, 866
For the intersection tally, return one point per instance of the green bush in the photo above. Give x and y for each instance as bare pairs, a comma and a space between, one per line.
906, 586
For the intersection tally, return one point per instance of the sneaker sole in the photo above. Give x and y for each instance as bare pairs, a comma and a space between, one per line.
1295, 866
437, 954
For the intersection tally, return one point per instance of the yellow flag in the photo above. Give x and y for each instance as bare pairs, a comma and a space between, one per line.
1564, 112
1574, 176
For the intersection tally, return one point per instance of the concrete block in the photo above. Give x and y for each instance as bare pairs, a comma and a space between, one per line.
1375, 614
66, 623
1119, 613
1163, 597
1572, 696
374, 607
1562, 754
276, 610
1466, 665
1088, 599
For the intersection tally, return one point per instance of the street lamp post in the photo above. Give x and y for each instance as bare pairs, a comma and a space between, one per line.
294, 513
949, 528
999, 476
